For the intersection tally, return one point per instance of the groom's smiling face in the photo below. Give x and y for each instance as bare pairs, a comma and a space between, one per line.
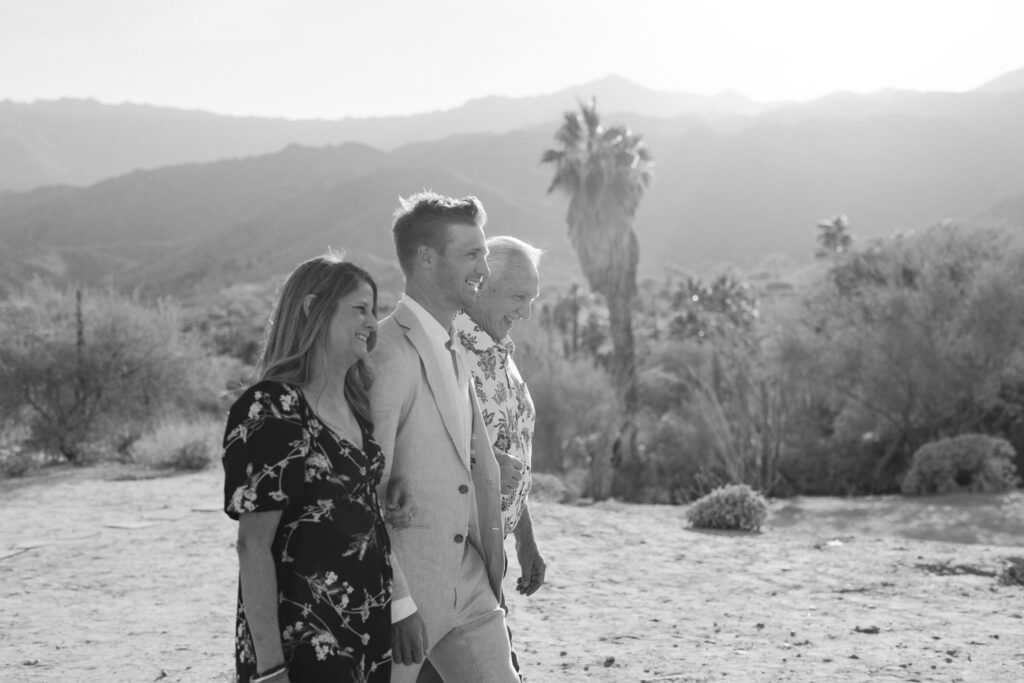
462, 264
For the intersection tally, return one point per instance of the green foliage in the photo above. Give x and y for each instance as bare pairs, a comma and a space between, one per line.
970, 462
88, 372
913, 338
825, 386
548, 487
676, 463
833, 237
16, 463
574, 401
738, 403
701, 310
179, 444
736, 506
1012, 573
235, 319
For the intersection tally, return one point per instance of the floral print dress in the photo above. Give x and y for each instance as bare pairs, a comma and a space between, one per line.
331, 547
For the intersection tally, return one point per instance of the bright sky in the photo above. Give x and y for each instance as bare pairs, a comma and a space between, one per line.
335, 58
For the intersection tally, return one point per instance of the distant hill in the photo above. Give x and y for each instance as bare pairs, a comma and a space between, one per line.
79, 142
191, 229
740, 194
1011, 82
1007, 213
727, 190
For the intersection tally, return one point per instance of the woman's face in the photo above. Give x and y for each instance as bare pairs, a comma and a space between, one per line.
351, 326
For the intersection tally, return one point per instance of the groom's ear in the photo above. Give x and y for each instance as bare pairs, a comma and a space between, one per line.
426, 256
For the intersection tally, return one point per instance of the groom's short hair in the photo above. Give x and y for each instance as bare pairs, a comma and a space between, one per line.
424, 217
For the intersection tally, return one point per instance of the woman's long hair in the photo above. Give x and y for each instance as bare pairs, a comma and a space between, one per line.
293, 335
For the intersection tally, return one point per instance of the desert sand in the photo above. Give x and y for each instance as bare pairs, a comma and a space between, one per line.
107, 574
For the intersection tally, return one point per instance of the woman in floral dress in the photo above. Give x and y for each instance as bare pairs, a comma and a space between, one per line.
301, 470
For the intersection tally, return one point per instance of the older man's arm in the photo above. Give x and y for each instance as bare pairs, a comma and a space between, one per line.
531, 564
511, 469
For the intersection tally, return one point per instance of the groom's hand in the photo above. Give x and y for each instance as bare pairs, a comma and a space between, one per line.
409, 640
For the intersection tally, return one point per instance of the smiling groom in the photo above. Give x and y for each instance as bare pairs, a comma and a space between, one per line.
441, 479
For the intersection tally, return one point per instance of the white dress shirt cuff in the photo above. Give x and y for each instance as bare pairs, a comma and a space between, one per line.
402, 608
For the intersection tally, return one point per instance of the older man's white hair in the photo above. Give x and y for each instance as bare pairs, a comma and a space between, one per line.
505, 250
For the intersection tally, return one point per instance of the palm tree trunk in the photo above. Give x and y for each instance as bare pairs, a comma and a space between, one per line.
620, 323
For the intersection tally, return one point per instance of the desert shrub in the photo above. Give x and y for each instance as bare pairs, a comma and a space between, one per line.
549, 488
736, 506
1012, 573
970, 462
88, 370
15, 463
574, 400
191, 456
673, 460
576, 481
179, 445
915, 336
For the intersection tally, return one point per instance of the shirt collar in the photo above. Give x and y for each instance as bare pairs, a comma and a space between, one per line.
435, 331
475, 338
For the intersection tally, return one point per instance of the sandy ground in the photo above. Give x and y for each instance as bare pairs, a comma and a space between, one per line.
108, 577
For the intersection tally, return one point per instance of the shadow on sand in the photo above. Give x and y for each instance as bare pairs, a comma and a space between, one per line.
989, 519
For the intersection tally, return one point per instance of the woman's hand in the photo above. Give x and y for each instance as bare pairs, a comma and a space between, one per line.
279, 677
399, 510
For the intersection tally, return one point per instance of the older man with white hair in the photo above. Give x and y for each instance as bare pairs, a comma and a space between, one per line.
483, 329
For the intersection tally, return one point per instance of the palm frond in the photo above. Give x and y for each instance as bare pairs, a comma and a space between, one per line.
591, 117
570, 134
566, 179
552, 156
613, 135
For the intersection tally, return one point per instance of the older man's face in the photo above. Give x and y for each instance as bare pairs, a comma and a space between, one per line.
507, 299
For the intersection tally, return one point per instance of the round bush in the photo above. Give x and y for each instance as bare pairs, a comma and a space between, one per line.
736, 506
192, 456
549, 488
970, 462
15, 463
179, 445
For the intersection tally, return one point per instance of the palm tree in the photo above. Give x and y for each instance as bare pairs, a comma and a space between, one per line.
605, 172
833, 236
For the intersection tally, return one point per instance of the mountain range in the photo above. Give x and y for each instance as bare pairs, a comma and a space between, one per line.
735, 183
79, 142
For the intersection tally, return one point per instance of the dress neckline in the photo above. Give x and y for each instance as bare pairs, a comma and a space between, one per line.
334, 432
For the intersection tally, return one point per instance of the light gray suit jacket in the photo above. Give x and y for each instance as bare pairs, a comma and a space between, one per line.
416, 424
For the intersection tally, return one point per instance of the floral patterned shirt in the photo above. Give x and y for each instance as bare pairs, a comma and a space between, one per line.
505, 403
330, 550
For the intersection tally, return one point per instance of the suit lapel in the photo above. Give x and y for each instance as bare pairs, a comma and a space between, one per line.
438, 387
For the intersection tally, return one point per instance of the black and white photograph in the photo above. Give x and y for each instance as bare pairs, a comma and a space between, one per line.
453, 341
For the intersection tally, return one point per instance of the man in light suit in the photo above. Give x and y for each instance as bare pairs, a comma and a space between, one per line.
441, 477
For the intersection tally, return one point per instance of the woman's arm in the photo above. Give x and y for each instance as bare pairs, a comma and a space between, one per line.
259, 586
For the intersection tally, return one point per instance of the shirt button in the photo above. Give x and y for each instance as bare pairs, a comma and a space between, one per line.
459, 538
463, 488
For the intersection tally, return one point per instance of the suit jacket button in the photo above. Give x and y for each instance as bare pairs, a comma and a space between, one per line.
463, 488
459, 538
